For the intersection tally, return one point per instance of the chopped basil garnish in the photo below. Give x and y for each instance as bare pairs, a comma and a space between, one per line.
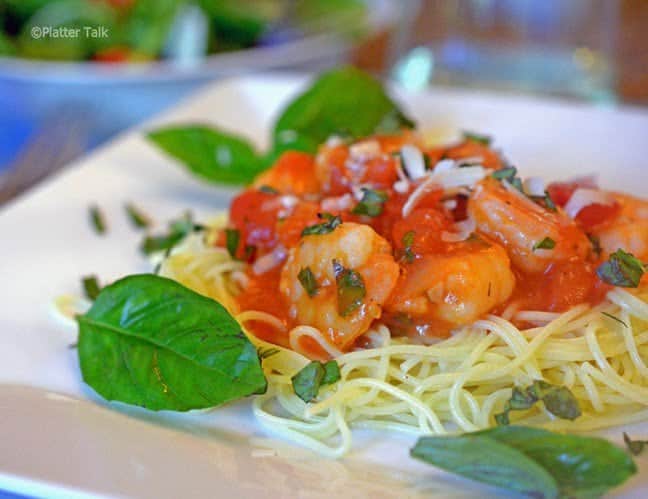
530, 461
622, 269
476, 137
506, 173
558, 400
266, 189
408, 241
615, 318
596, 244
307, 382
232, 238
97, 219
324, 228
635, 447
546, 243
350, 289
517, 183
178, 230
549, 203
268, 352
308, 281
137, 217
331, 372
427, 161
371, 203
91, 287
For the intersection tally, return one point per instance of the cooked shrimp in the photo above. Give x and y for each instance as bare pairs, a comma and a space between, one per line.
352, 248
447, 290
629, 230
520, 225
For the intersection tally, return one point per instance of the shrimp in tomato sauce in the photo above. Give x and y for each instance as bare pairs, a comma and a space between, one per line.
424, 240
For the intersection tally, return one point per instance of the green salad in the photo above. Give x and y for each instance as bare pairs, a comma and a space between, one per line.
143, 30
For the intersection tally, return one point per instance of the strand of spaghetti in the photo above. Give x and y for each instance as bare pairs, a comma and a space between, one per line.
299, 332
392, 390
628, 301
256, 315
489, 403
477, 352
590, 389
597, 422
533, 346
631, 345
618, 384
320, 425
278, 426
455, 404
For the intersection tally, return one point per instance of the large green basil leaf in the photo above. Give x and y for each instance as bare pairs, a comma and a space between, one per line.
532, 461
582, 466
485, 460
211, 154
344, 101
150, 341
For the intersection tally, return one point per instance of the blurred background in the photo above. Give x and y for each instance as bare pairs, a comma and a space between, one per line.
73, 73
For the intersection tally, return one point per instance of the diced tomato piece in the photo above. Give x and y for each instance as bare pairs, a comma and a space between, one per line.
293, 173
254, 214
289, 229
427, 225
572, 283
380, 173
472, 149
596, 214
560, 192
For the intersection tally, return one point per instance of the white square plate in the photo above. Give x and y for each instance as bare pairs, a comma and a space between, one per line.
58, 439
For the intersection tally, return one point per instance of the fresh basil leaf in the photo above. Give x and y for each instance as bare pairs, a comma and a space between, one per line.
476, 137
306, 383
371, 203
232, 238
546, 243
343, 99
308, 281
91, 287
210, 154
97, 219
582, 466
331, 372
486, 460
138, 218
534, 462
615, 318
558, 400
324, 228
149, 341
350, 289
621, 269
635, 447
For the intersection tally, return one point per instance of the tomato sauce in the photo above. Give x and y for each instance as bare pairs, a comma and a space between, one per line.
273, 218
